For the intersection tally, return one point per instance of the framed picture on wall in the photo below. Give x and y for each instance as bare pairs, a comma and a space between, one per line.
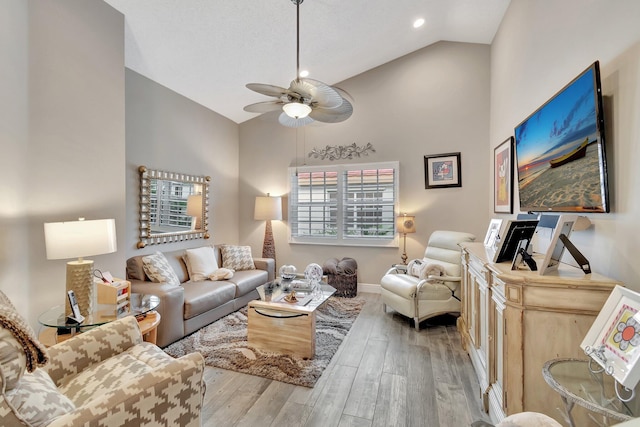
442, 171
503, 177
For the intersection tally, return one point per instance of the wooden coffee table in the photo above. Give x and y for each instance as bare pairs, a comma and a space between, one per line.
279, 326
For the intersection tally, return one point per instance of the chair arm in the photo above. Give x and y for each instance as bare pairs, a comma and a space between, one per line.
444, 279
171, 395
397, 269
268, 265
77, 353
438, 279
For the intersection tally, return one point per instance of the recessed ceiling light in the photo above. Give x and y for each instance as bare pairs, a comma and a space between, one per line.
304, 73
418, 23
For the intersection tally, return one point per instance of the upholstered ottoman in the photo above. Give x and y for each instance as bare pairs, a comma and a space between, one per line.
342, 275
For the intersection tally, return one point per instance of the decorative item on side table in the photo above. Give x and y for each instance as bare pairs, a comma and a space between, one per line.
503, 177
406, 225
442, 171
287, 273
268, 208
80, 238
313, 273
613, 341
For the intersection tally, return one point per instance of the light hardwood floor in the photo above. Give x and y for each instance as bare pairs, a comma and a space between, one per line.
384, 374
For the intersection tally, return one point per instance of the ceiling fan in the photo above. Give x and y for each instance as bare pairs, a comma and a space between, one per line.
306, 100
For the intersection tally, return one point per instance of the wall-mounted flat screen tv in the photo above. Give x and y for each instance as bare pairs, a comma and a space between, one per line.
560, 150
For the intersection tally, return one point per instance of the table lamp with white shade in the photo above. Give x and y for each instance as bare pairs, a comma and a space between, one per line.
78, 239
268, 208
194, 209
406, 225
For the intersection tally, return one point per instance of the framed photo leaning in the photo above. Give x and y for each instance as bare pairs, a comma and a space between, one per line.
612, 340
493, 232
503, 177
442, 171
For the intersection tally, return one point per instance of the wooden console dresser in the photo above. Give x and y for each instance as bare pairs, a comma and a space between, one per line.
512, 322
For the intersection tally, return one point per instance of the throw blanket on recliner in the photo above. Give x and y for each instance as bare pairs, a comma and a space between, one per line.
12, 321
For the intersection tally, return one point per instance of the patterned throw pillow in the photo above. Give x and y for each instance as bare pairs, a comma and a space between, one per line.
157, 268
237, 258
37, 399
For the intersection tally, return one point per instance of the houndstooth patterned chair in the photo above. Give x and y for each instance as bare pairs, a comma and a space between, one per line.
104, 377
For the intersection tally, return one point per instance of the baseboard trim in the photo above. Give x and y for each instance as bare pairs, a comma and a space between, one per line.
370, 288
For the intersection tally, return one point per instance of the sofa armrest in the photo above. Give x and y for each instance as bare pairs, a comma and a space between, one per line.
171, 309
268, 265
168, 396
77, 353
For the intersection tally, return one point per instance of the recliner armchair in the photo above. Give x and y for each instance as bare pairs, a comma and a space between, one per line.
431, 286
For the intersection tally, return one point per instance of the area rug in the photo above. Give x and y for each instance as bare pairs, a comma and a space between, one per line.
224, 345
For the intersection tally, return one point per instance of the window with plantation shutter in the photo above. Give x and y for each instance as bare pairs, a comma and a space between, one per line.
344, 204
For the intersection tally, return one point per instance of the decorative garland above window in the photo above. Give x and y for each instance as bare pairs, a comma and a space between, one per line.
336, 152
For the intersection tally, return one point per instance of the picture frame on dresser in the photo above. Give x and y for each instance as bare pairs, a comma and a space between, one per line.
493, 233
503, 177
612, 342
442, 171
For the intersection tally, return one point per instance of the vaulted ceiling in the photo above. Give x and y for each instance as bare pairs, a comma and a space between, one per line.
207, 50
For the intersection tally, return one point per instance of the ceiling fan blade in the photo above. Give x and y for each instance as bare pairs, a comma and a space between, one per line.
332, 115
317, 92
264, 107
269, 90
287, 121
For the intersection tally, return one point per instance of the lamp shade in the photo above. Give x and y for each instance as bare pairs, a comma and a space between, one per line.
77, 239
268, 208
406, 224
296, 110
194, 205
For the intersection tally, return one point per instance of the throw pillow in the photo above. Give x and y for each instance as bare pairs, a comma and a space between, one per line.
157, 268
37, 399
221, 274
237, 258
201, 262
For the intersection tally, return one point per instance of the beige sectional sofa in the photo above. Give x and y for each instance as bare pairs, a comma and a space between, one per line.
189, 306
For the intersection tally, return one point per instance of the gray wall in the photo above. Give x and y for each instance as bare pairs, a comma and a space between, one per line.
433, 101
65, 144
169, 132
541, 46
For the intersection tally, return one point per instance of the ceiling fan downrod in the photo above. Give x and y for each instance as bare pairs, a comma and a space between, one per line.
297, 3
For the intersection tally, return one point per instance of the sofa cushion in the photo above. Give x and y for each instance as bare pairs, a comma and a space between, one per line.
157, 268
200, 297
37, 400
248, 280
237, 258
201, 263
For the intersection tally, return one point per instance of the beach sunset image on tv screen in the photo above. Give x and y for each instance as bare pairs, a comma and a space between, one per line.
560, 151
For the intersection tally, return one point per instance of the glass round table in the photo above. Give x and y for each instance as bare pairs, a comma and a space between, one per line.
141, 306
577, 384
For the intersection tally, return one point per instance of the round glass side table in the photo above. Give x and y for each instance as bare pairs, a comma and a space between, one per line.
576, 384
58, 329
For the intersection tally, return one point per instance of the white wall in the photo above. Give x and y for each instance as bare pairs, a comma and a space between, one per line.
14, 134
66, 152
435, 100
541, 46
169, 132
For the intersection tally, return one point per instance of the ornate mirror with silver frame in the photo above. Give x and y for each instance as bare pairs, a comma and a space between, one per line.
173, 207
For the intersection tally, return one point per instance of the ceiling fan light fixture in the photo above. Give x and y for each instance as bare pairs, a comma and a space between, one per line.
296, 110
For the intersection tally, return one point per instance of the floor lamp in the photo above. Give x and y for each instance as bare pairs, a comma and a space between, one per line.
78, 239
406, 225
268, 208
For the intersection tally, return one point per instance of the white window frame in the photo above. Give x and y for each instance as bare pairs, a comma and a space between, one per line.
339, 239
